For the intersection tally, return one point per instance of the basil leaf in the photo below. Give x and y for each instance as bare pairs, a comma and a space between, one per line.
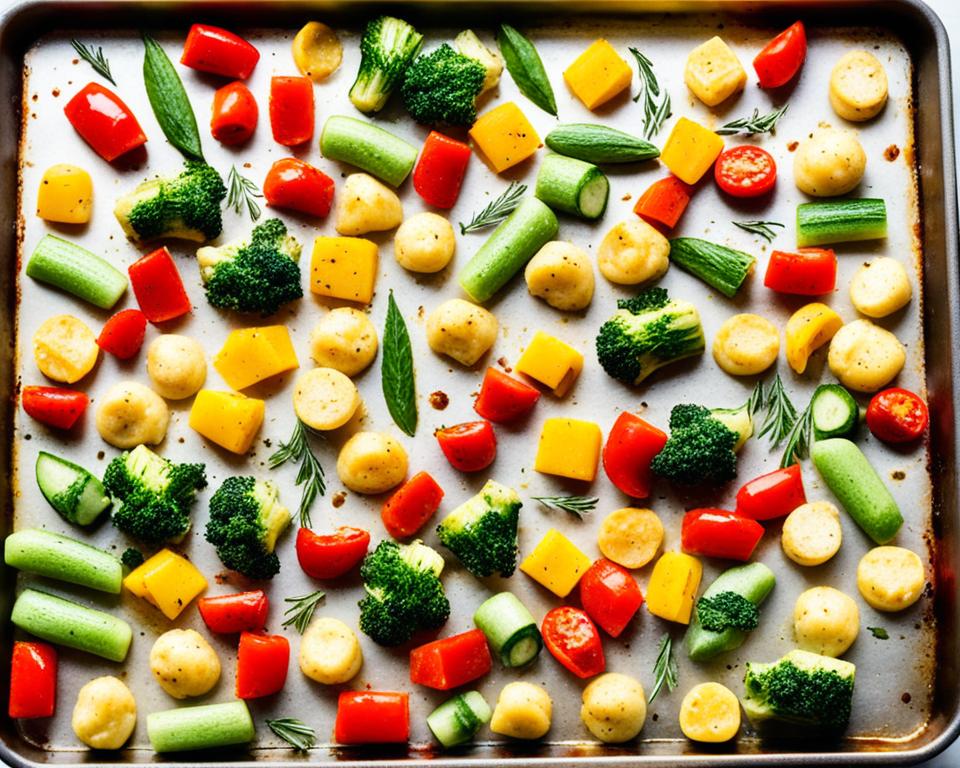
169, 100
525, 67
396, 370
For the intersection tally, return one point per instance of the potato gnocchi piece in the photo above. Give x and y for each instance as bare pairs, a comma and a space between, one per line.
523, 711
812, 533
330, 652
561, 274
830, 162
746, 344
176, 365
825, 621
131, 414
105, 713
710, 713
633, 252
317, 51
424, 243
630, 537
344, 339
614, 708
461, 330
713, 72
865, 357
325, 399
184, 664
880, 287
365, 205
371, 462
858, 86
891, 578
65, 349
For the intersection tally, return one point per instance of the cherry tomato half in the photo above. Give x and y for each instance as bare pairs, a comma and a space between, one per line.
745, 171
897, 415
469, 447
572, 638
782, 57
333, 555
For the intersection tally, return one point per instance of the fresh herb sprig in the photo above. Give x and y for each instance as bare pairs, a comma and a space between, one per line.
762, 229
301, 610
526, 68
242, 193
497, 210
656, 105
799, 438
879, 632
779, 413
396, 370
664, 669
95, 58
295, 732
754, 124
578, 506
310, 476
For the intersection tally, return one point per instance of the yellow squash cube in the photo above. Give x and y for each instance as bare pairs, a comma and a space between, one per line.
505, 136
673, 586
569, 448
552, 362
344, 268
134, 580
556, 563
598, 74
167, 581
714, 72
66, 195
228, 419
690, 150
254, 354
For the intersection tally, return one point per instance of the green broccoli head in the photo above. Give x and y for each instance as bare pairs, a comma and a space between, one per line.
442, 87
482, 532
259, 275
803, 688
404, 592
727, 610
648, 332
246, 518
152, 496
132, 558
186, 207
387, 47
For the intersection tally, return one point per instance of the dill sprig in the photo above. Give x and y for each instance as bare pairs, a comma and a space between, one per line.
754, 124
295, 732
301, 610
656, 106
578, 506
242, 192
799, 438
310, 476
664, 669
763, 229
779, 413
497, 210
95, 58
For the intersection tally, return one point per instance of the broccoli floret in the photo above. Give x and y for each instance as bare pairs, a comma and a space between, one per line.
246, 518
152, 496
387, 47
132, 558
646, 333
703, 444
482, 532
728, 610
470, 45
256, 275
442, 87
186, 207
404, 592
801, 687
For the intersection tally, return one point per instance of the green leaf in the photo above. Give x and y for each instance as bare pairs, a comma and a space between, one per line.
396, 370
169, 100
526, 68
295, 732
879, 632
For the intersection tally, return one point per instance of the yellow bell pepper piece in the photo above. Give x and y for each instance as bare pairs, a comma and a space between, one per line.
808, 329
66, 195
134, 581
505, 136
228, 419
673, 586
254, 354
556, 563
598, 74
344, 268
690, 150
552, 362
714, 72
569, 448
167, 581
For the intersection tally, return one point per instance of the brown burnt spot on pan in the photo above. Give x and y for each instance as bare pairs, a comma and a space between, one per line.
223, 577
505, 364
339, 499
792, 146
439, 400
905, 697
898, 475
55, 92
626, 197
891, 153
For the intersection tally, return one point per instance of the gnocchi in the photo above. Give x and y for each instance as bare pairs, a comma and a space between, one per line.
746, 345
614, 708
184, 664
523, 711
325, 399
891, 578
633, 252
630, 537
371, 462
424, 243
330, 652
561, 274
880, 287
461, 330
131, 414
317, 51
858, 86
176, 365
105, 713
865, 357
710, 713
65, 349
365, 205
713, 72
345, 339
811, 533
830, 162
825, 621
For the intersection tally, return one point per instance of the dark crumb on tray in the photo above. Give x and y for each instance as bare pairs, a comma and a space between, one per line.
439, 400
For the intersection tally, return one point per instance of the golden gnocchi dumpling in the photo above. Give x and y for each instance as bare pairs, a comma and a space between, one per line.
812, 533
891, 578
865, 357
830, 162
325, 399
880, 287
713, 72
176, 365
366, 205
710, 713
633, 252
630, 537
105, 713
65, 349
614, 708
746, 345
424, 243
825, 621
184, 663
372, 462
317, 51
561, 274
330, 652
523, 711
344, 339
131, 414
461, 330
858, 86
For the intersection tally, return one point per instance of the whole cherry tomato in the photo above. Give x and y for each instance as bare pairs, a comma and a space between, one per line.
235, 114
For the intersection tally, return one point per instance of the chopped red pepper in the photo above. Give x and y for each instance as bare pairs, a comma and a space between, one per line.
411, 505
291, 110
629, 452
372, 717
573, 640
503, 398
104, 122
122, 335
213, 49
469, 447
806, 272
298, 186
664, 202
745, 171
897, 415
610, 595
157, 285
33, 680
775, 494
719, 533
235, 114
440, 170
332, 555
451, 662
262, 662
54, 406
240, 612
782, 57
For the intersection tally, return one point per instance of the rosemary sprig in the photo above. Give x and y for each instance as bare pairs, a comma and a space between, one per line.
763, 229
242, 192
310, 476
779, 413
95, 58
799, 438
656, 106
577, 506
754, 124
497, 210
665, 668
757, 399
301, 610
295, 732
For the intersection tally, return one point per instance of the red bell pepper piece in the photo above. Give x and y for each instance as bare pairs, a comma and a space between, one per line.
332, 555
782, 57
719, 533
54, 406
157, 285
411, 505
503, 398
104, 122
298, 186
451, 662
440, 170
122, 335
33, 680
610, 595
240, 612
629, 451
897, 415
468, 447
664, 202
212, 49
775, 494
806, 272
372, 717
235, 114
573, 640
291, 110
262, 662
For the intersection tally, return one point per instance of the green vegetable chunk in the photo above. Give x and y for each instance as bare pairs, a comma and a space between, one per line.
204, 727
727, 610
510, 629
482, 532
71, 490
599, 144
457, 720
387, 48
834, 412
169, 100
73, 269
841, 221
442, 88
60, 557
396, 370
720, 267
572, 186
368, 147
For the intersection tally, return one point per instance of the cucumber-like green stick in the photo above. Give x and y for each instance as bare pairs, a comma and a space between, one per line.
204, 727
60, 557
73, 269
